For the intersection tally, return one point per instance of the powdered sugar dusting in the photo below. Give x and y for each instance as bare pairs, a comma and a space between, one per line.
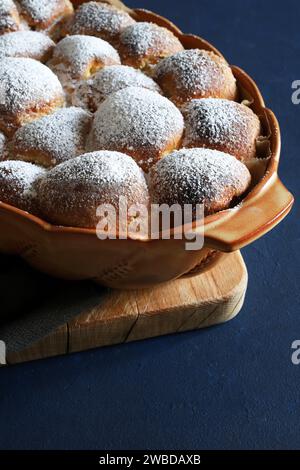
9, 17
74, 55
198, 176
42, 10
221, 123
145, 38
132, 117
90, 93
55, 138
26, 82
25, 44
193, 73
96, 19
6, 6
17, 180
138, 121
77, 187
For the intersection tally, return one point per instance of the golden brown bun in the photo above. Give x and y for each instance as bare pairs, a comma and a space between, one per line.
78, 57
100, 20
198, 176
222, 125
46, 15
70, 193
17, 184
31, 44
30, 91
53, 139
194, 74
143, 44
89, 94
139, 122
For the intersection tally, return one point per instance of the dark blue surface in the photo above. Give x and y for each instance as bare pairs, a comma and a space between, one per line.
232, 386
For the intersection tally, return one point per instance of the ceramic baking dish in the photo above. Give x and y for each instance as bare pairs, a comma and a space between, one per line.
75, 253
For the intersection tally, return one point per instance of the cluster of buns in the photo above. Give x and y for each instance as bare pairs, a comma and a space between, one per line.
47, 16
95, 105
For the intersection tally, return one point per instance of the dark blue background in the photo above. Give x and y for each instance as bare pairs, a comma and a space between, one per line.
232, 386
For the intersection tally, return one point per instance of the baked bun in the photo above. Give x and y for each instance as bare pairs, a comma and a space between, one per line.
143, 44
30, 44
103, 21
17, 180
198, 176
53, 139
70, 193
29, 90
78, 57
91, 93
222, 125
46, 15
195, 73
139, 122
9, 17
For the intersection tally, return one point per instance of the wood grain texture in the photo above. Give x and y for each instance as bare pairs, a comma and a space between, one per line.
185, 304
54, 344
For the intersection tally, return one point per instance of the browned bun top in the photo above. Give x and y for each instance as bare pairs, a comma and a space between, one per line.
53, 139
79, 56
91, 93
70, 193
139, 122
41, 14
222, 125
31, 44
195, 73
29, 90
17, 184
198, 176
100, 20
144, 44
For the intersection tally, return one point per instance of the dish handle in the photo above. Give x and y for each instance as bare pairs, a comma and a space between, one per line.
252, 219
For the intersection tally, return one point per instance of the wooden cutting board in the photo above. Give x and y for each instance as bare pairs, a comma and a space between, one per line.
185, 304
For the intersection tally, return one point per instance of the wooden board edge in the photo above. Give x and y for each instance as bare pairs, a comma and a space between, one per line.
169, 321
54, 344
137, 326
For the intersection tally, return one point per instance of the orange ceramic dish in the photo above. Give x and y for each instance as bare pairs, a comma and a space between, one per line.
75, 253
